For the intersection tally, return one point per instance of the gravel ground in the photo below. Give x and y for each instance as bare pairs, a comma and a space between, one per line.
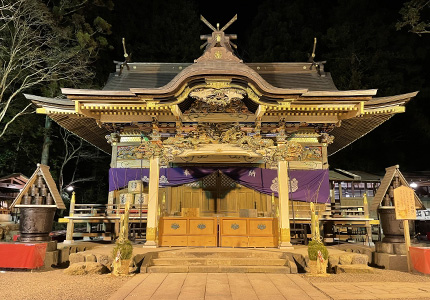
380, 275
56, 286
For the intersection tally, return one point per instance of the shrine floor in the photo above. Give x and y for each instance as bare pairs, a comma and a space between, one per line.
251, 286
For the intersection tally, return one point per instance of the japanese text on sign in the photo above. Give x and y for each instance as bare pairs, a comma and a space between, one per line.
404, 203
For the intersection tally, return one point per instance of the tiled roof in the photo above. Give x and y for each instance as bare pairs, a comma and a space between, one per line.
281, 75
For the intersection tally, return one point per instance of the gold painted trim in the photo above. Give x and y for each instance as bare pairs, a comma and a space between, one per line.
150, 233
394, 110
285, 235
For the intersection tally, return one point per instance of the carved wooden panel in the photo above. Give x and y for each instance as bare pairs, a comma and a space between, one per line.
234, 226
175, 227
181, 231
248, 232
202, 227
261, 227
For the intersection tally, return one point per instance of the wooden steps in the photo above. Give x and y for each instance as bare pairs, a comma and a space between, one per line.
219, 261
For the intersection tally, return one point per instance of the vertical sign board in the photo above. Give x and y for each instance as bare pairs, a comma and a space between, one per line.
404, 203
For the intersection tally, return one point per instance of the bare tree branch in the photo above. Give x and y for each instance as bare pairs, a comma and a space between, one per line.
34, 51
22, 112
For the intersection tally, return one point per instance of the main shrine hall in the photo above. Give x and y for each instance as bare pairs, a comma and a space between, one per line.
220, 152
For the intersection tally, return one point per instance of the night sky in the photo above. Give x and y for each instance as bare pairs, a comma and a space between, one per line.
358, 39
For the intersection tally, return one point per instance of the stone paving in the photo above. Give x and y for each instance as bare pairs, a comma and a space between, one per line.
376, 290
253, 286
211, 286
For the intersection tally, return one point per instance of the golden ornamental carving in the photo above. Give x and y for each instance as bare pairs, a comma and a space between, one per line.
252, 95
223, 134
183, 95
113, 138
218, 84
325, 138
149, 149
235, 106
218, 54
288, 151
220, 96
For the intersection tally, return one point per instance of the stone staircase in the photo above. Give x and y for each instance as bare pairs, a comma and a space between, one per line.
218, 260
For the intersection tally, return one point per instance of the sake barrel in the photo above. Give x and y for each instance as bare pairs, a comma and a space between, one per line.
123, 198
141, 199
135, 186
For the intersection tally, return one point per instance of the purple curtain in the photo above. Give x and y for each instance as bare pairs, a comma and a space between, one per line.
305, 185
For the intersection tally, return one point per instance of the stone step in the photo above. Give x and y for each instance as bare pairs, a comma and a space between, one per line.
219, 269
220, 254
181, 261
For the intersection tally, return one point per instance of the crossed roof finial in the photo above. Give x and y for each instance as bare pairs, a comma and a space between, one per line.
218, 31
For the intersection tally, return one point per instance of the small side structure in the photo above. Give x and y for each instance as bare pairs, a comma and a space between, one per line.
391, 252
10, 186
37, 203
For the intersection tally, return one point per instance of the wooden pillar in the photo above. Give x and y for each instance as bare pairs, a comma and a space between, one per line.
70, 224
69, 232
368, 226
151, 225
284, 205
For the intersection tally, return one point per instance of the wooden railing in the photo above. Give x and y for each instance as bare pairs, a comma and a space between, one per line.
108, 210
4, 211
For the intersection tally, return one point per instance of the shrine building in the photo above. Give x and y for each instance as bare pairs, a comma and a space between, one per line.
220, 152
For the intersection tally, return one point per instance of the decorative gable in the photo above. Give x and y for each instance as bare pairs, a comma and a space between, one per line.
39, 190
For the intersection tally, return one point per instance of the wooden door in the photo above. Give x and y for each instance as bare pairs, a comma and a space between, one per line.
217, 194
227, 195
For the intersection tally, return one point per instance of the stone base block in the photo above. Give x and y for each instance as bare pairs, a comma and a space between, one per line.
354, 268
64, 255
52, 246
391, 261
361, 249
390, 248
51, 259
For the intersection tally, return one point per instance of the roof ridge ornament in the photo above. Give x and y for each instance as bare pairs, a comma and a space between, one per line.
218, 44
312, 61
127, 58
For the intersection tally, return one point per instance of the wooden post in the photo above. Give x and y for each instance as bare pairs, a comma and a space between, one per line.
69, 232
284, 205
407, 243
70, 224
312, 209
117, 200
154, 178
72, 205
